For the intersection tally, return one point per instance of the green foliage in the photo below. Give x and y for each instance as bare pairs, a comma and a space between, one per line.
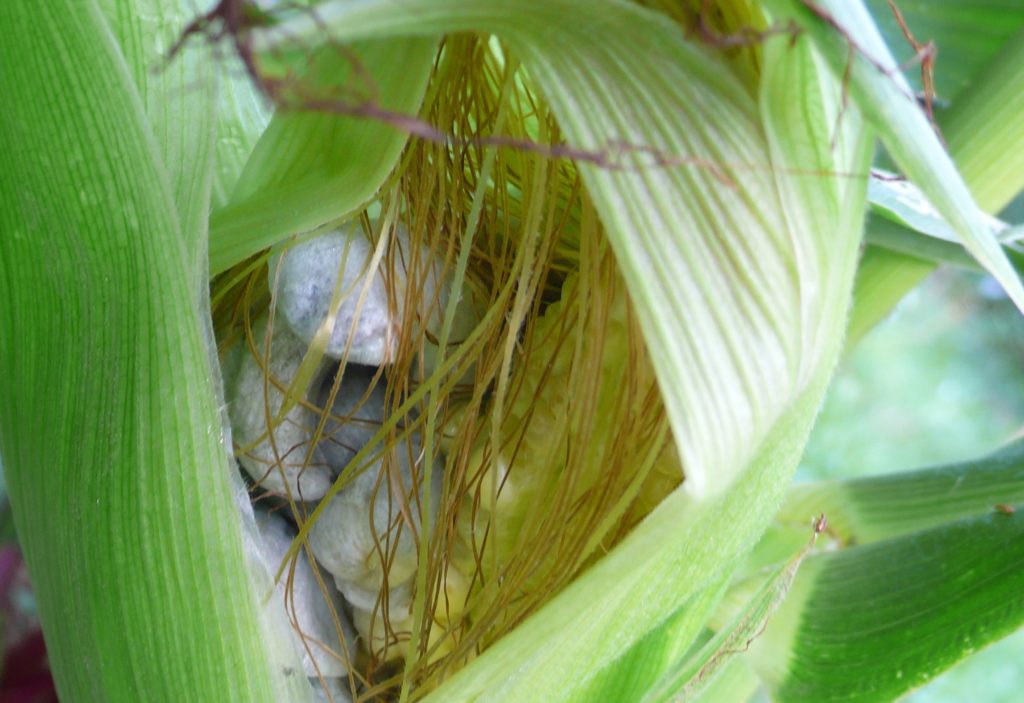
859, 52
972, 36
906, 608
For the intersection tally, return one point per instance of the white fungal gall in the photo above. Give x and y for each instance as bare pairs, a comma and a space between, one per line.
386, 639
336, 267
282, 460
341, 294
389, 640
397, 602
407, 289
306, 605
366, 531
357, 412
330, 690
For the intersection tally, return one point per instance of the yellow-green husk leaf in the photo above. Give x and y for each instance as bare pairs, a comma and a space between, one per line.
110, 427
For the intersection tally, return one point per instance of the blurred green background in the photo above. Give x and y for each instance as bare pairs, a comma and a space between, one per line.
940, 380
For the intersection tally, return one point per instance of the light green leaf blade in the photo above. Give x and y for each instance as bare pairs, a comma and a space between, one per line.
736, 683
243, 114
203, 94
893, 603
722, 244
660, 650
984, 131
311, 167
879, 507
887, 233
980, 128
109, 423
884, 233
849, 39
901, 201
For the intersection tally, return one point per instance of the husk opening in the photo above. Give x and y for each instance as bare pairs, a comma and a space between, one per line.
562, 390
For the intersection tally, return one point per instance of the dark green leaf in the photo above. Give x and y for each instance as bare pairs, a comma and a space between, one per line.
870, 623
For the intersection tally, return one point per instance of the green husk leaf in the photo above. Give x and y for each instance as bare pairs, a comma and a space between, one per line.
846, 35
884, 276
109, 423
177, 97
201, 94
242, 116
312, 167
907, 609
688, 679
660, 650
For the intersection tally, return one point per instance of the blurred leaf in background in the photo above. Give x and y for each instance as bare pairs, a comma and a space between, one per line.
937, 382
